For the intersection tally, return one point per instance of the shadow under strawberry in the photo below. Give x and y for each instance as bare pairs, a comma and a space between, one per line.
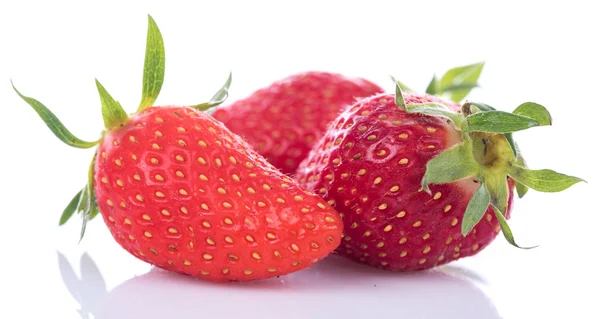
332, 288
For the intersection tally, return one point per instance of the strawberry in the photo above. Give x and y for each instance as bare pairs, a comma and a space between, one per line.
283, 120
420, 182
180, 191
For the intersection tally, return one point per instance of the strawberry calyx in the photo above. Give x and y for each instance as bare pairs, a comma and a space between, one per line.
489, 156
115, 117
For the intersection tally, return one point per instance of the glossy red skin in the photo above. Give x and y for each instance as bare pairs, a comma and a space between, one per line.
425, 235
177, 132
284, 120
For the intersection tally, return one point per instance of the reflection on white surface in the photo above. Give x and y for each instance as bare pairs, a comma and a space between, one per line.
319, 292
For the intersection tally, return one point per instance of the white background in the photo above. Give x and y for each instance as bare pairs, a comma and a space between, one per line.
544, 51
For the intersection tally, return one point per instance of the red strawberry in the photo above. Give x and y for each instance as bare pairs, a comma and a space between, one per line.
285, 119
180, 191
376, 163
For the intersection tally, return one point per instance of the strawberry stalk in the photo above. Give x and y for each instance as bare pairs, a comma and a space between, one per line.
114, 116
488, 155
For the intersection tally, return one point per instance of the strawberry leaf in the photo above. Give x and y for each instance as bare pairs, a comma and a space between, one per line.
113, 114
534, 111
498, 122
434, 86
402, 85
497, 186
451, 165
506, 229
217, 99
399, 97
476, 208
521, 189
154, 65
70, 209
460, 81
511, 142
435, 109
88, 198
54, 124
544, 180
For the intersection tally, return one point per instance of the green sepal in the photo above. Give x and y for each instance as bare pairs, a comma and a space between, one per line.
154, 65
112, 112
498, 122
87, 199
534, 111
544, 180
404, 87
434, 86
521, 189
497, 186
476, 208
399, 100
451, 165
459, 81
513, 145
436, 109
506, 231
217, 99
54, 124
70, 209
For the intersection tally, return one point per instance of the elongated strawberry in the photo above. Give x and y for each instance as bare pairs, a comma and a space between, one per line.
421, 182
180, 191
284, 120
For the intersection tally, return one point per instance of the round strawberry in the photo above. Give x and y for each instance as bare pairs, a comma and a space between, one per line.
284, 120
180, 191
420, 182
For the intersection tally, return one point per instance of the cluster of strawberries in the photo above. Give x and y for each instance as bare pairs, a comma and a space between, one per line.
313, 164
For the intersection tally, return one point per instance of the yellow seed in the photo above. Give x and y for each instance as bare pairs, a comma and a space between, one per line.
232, 160
250, 238
403, 136
361, 172
329, 219
146, 217
266, 187
314, 245
298, 198
235, 177
277, 254
271, 236
422, 261
120, 183
183, 192
218, 162
127, 221
148, 234
249, 165
158, 134
431, 130
430, 146
228, 239
403, 161
208, 241
426, 236
139, 197
131, 237
336, 161
394, 189
103, 154
212, 130
221, 190
447, 208
206, 224
134, 157
417, 223
454, 221
426, 249
104, 180
380, 244
187, 262
448, 240
321, 205
381, 153
329, 177
488, 217
159, 194
382, 254
184, 210
251, 190
256, 256
261, 204
403, 253
154, 160
367, 233
248, 272
387, 228
180, 129
377, 180
383, 206
110, 218
173, 230
280, 200
159, 177
362, 128
181, 143
118, 162
204, 272
109, 202
155, 146
207, 257
437, 195
227, 205
402, 240
137, 177
228, 221
270, 269
202, 143
475, 247
371, 137
165, 212
203, 177
204, 206
295, 247
179, 174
